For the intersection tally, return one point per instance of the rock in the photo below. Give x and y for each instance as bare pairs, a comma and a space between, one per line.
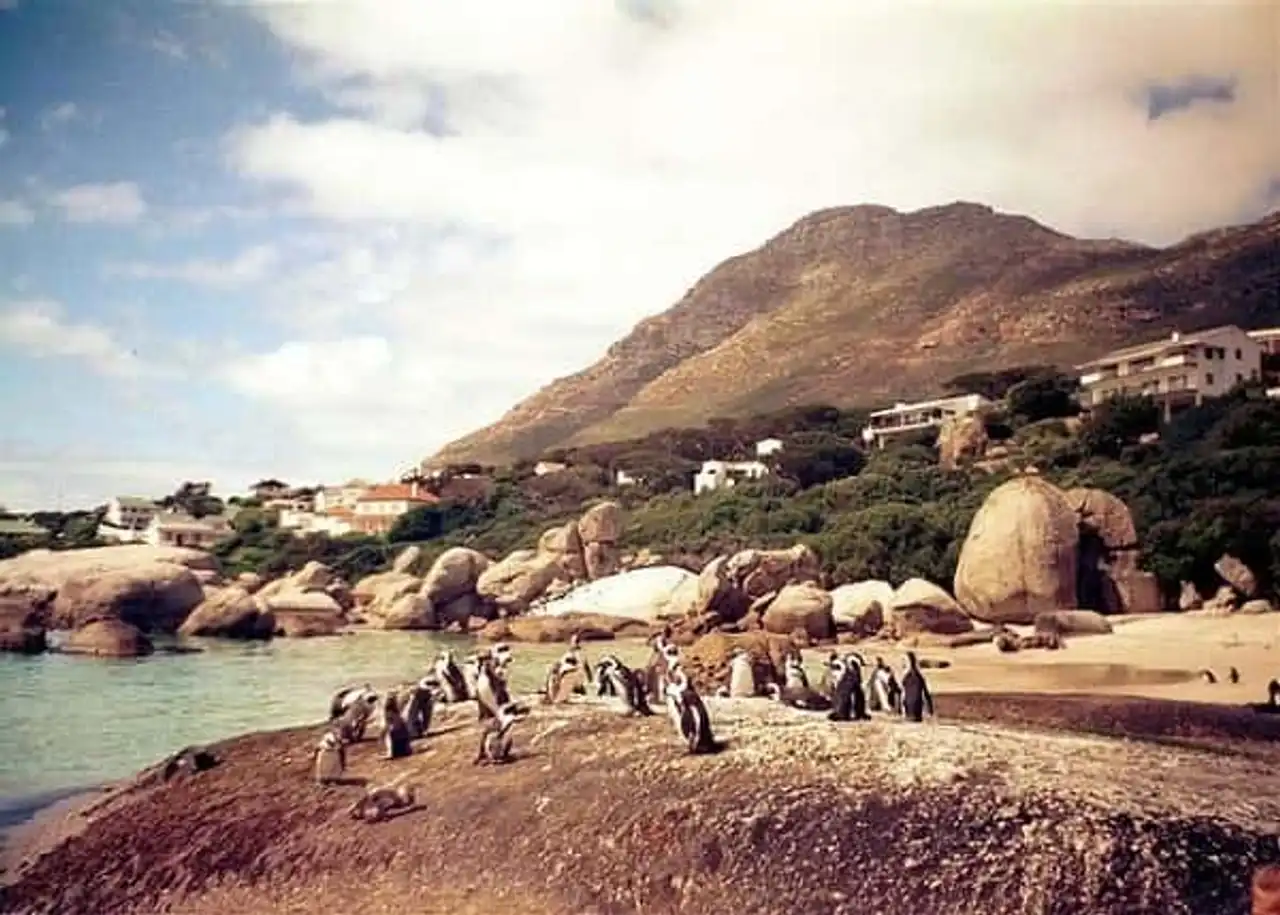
540, 629
1189, 598
961, 439
1108, 577
1237, 574
601, 523
803, 608
1019, 557
961, 640
861, 607
564, 546
301, 614
314, 576
21, 631
1257, 605
710, 592
707, 658
306, 625
757, 572
108, 638
250, 581
601, 560
229, 613
460, 611
340, 591
1073, 622
642, 594
380, 584
388, 593
1224, 601
514, 583
1138, 592
408, 611
919, 606
407, 561
454, 574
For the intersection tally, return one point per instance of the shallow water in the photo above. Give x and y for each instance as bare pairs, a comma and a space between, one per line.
71, 722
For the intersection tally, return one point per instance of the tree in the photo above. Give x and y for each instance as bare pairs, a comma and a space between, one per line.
1119, 423
195, 499
1049, 395
813, 458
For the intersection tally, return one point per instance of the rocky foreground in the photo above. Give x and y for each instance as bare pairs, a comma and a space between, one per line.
603, 813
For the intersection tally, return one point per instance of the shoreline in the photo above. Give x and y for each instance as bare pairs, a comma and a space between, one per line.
38, 823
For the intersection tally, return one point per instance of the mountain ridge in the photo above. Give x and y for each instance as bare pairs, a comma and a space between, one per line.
865, 304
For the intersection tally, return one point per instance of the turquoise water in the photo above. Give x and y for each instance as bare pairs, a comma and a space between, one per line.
69, 722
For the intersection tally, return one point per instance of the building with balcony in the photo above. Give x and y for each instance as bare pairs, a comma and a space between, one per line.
1268, 340
905, 418
1177, 372
126, 519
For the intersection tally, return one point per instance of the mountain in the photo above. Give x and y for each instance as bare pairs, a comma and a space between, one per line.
864, 305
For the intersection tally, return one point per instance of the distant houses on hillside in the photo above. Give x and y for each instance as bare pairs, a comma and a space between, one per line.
907, 418
133, 519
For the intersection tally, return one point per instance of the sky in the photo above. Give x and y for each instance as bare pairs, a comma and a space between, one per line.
317, 239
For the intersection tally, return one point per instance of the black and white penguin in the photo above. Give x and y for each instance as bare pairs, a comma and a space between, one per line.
575, 649
348, 696
1272, 705
420, 707
742, 675
395, 733
471, 672
658, 666
885, 694
331, 759
490, 688
693, 723
453, 684
354, 720
495, 737
502, 656
796, 691
625, 684
1208, 676
917, 701
1233, 675
565, 678
848, 702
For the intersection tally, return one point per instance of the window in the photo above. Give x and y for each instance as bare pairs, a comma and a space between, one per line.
1239, 355
1208, 352
1239, 377
1208, 377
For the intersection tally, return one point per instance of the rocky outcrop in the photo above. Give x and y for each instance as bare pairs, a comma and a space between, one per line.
453, 577
707, 659
563, 545
860, 608
21, 631
600, 529
1223, 602
1237, 574
919, 607
153, 588
231, 613
1073, 622
1107, 576
1257, 605
588, 627
798, 608
756, 573
961, 439
108, 638
642, 594
408, 561
1020, 556
728, 586
1189, 597
249, 581
379, 597
514, 583
303, 614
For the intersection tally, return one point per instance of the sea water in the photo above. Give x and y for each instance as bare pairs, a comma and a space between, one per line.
70, 722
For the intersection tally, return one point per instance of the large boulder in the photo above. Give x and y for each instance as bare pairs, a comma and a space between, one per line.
803, 608
387, 594
152, 587
454, 574
1072, 622
1108, 577
861, 607
710, 592
643, 594
599, 531
302, 614
21, 630
1237, 574
1019, 558
460, 611
586, 626
919, 607
408, 611
314, 576
408, 560
230, 613
108, 638
961, 439
759, 572
707, 659
517, 581
563, 545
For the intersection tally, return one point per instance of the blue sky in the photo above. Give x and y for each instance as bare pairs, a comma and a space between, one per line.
318, 239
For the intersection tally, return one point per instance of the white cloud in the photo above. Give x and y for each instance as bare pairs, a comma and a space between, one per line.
37, 327
168, 45
16, 213
599, 164
118, 202
246, 268
59, 115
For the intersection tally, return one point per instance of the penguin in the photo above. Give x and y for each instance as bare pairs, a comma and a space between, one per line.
395, 733
693, 723
490, 688
827, 685
885, 694
345, 697
378, 803
502, 656
420, 707
351, 726
330, 759
848, 702
796, 691
1208, 676
742, 675
564, 679
659, 664
1272, 705
471, 673
1233, 675
916, 698
495, 737
626, 685
452, 682
575, 649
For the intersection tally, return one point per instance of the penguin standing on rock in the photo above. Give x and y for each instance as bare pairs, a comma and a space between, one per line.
495, 737
453, 684
917, 701
886, 694
348, 696
848, 702
330, 760
690, 714
353, 722
420, 707
395, 733
625, 684
490, 689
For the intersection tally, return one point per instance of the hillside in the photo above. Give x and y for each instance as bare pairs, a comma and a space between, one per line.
863, 305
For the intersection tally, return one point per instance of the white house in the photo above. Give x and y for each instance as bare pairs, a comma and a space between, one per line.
335, 522
1178, 371
378, 508
904, 418
622, 478
343, 496
174, 528
1268, 339
766, 447
542, 468
126, 519
721, 474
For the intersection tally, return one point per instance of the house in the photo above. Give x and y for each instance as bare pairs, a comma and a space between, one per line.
126, 519
378, 508
1268, 340
344, 496
721, 474
542, 468
335, 522
1178, 371
905, 418
622, 478
768, 446
176, 528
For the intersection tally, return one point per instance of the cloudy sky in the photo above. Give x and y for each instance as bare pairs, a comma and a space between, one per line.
319, 238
